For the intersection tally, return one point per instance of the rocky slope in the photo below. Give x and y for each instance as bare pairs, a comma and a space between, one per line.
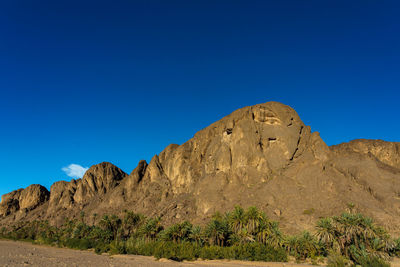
261, 155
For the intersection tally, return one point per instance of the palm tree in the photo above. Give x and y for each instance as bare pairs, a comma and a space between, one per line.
105, 223
253, 218
111, 224
151, 228
116, 223
237, 219
325, 232
196, 235
172, 233
353, 235
243, 236
185, 229
131, 221
217, 232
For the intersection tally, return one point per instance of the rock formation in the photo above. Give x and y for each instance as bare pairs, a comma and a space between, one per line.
261, 155
23, 199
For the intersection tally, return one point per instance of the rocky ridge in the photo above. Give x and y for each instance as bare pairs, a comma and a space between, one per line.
261, 155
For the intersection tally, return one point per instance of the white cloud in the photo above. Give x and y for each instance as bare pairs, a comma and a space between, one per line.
75, 170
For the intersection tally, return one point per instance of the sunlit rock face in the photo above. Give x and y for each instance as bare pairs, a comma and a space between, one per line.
33, 196
252, 142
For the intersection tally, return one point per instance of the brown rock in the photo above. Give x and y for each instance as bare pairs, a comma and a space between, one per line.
261, 156
62, 195
23, 199
33, 196
99, 179
10, 202
386, 152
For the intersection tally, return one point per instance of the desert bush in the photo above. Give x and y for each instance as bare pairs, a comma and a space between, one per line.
372, 261
78, 243
117, 247
3, 232
395, 251
176, 251
337, 260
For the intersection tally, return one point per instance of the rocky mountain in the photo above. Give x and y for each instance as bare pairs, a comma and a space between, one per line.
261, 155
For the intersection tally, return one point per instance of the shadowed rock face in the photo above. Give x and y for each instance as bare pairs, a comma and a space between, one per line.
10, 202
261, 155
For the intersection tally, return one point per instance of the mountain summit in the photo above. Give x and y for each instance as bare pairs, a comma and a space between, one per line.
261, 155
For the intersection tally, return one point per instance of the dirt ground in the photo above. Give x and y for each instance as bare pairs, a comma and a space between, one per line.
25, 254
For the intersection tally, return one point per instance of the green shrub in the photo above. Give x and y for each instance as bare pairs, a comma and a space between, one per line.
249, 252
212, 253
371, 261
177, 252
309, 211
395, 251
117, 247
100, 248
336, 260
77, 243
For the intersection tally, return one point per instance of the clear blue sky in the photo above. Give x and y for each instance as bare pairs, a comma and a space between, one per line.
83, 82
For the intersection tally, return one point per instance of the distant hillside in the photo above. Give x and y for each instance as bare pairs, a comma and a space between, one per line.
261, 155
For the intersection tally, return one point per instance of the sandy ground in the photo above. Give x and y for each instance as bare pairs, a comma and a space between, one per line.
25, 254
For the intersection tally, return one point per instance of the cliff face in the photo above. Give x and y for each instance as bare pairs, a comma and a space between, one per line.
261, 155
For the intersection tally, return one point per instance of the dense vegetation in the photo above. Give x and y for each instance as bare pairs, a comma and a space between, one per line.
241, 234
